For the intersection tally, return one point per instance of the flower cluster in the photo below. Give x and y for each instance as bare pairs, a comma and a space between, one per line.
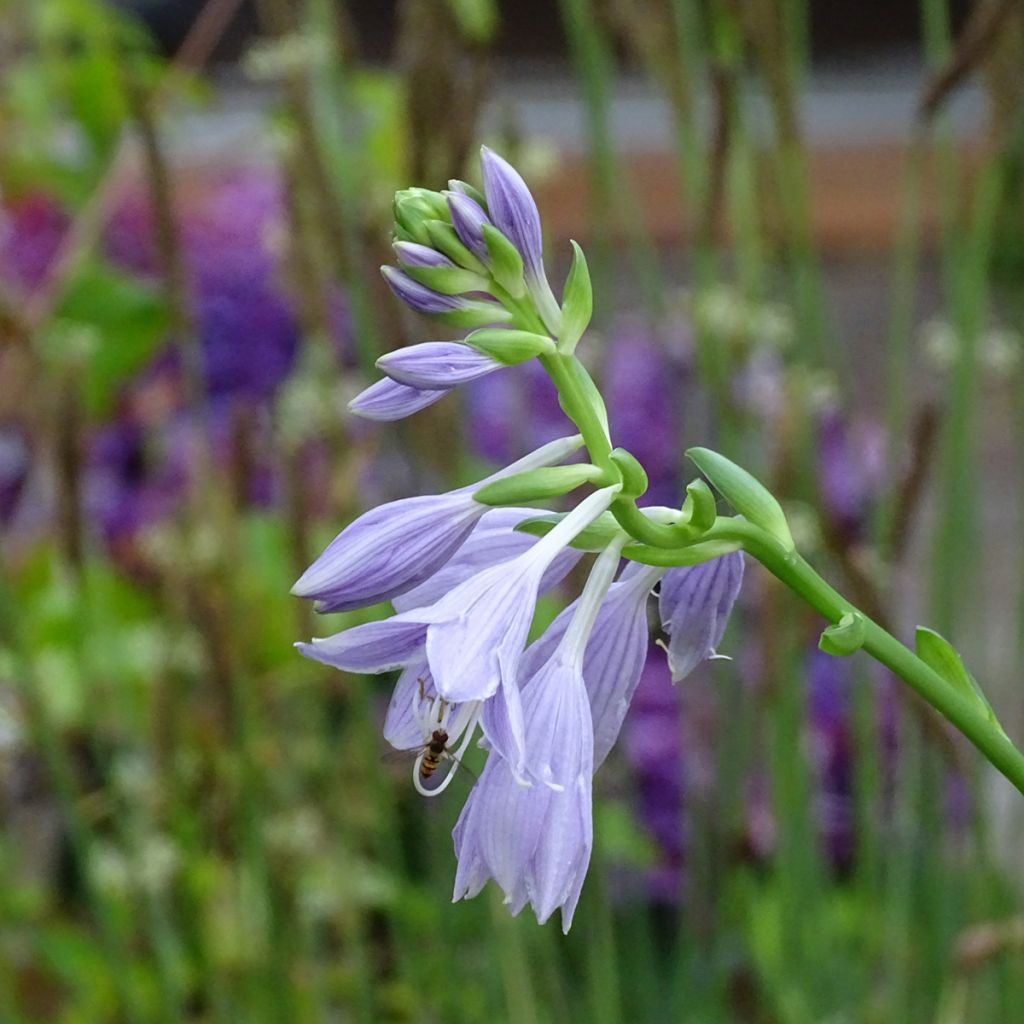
463, 570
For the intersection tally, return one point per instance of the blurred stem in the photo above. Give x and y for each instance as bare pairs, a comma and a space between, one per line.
613, 202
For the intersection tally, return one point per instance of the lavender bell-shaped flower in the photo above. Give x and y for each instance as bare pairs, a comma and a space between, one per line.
615, 655
535, 842
477, 632
694, 606
395, 547
514, 212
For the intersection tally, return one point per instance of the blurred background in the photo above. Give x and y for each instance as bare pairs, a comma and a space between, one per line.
805, 222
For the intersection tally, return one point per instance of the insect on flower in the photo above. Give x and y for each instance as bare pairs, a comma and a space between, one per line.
442, 723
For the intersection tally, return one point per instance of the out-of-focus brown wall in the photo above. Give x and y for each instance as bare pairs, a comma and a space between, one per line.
532, 29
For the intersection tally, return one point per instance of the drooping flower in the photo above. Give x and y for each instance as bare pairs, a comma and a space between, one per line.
398, 546
535, 842
614, 656
474, 636
694, 605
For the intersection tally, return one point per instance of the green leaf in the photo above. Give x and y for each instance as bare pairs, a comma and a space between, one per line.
536, 484
745, 493
111, 323
509, 347
939, 654
845, 636
577, 302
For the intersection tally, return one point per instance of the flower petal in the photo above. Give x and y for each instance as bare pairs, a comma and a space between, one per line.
694, 605
614, 656
494, 540
381, 646
402, 727
389, 550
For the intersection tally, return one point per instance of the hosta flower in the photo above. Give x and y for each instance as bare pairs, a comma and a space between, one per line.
397, 546
464, 579
694, 605
535, 842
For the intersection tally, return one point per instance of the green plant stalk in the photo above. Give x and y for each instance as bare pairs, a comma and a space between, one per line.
794, 572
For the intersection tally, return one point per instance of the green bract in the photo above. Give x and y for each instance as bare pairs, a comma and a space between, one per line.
509, 347
577, 302
441, 235
506, 263
596, 537
844, 637
939, 654
447, 280
745, 493
537, 484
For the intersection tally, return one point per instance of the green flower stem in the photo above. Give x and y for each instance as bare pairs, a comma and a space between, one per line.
578, 407
788, 567
801, 578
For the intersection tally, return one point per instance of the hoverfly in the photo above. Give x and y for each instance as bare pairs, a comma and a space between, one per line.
442, 723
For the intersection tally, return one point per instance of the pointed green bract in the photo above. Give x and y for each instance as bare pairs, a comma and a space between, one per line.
745, 493
468, 190
634, 476
845, 636
506, 263
447, 280
577, 302
596, 537
700, 508
939, 654
441, 235
509, 347
537, 484
475, 314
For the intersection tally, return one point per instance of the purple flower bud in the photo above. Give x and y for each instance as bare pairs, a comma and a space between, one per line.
389, 550
395, 547
437, 364
468, 219
514, 212
388, 400
418, 296
412, 254
694, 606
